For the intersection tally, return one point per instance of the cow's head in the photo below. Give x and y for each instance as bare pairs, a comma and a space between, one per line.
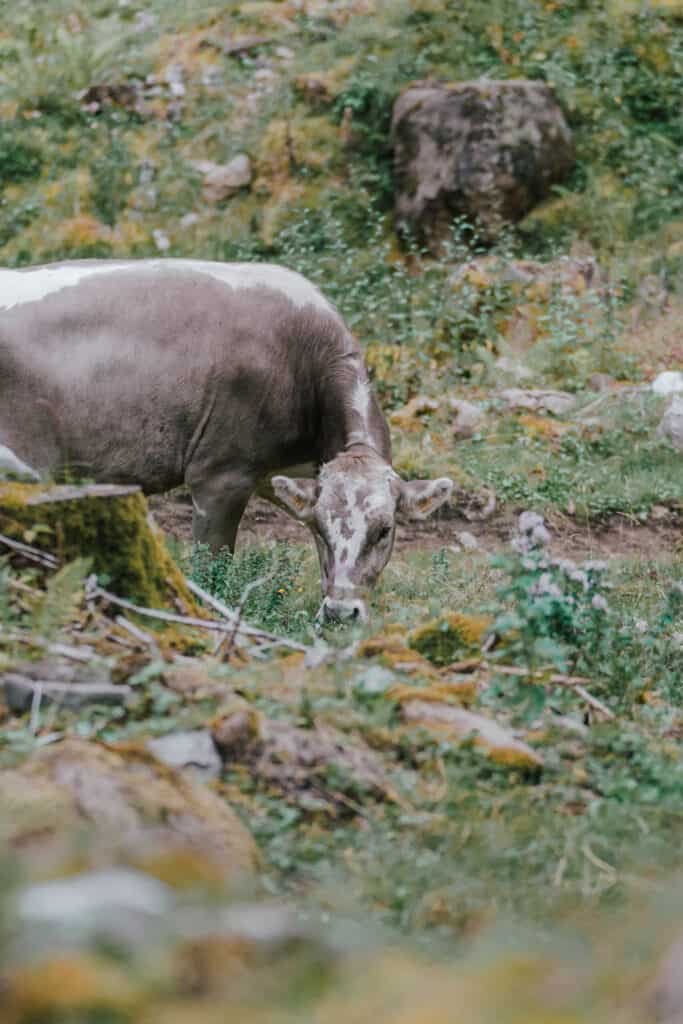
351, 510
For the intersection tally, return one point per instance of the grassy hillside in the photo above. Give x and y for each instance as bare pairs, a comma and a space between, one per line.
105, 107
430, 878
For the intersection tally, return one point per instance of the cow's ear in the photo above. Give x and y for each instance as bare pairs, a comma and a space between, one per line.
419, 498
297, 496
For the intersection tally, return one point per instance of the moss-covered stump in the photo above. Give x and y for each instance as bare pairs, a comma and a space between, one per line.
109, 524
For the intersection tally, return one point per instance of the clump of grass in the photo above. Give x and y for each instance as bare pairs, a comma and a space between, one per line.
270, 584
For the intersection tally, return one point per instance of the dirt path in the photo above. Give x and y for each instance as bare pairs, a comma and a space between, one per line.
621, 537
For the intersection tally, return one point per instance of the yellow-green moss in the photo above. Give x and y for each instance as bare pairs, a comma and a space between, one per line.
449, 637
113, 530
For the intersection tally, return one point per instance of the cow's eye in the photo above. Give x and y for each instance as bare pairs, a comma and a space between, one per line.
383, 532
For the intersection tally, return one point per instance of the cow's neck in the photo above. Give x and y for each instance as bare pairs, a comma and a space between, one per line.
351, 419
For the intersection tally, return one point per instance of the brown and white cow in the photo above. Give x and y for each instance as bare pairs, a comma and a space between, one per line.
222, 376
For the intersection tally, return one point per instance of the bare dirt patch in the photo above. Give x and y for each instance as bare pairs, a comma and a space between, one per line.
620, 537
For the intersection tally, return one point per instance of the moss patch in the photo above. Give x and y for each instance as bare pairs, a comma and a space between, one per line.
110, 525
449, 637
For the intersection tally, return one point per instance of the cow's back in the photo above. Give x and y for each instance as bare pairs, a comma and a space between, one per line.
122, 369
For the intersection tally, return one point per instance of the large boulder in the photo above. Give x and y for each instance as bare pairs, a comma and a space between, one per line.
487, 150
128, 804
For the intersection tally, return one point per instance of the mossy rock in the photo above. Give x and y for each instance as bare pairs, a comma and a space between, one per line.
108, 524
120, 798
451, 636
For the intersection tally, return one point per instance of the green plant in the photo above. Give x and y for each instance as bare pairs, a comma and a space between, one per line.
555, 615
20, 160
266, 583
112, 179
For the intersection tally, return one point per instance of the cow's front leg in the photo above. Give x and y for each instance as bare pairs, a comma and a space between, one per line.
217, 508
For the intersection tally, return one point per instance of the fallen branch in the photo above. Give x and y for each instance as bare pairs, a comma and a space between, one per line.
84, 654
245, 628
237, 618
575, 683
139, 634
93, 590
32, 554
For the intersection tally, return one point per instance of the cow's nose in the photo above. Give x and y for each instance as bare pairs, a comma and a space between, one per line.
343, 610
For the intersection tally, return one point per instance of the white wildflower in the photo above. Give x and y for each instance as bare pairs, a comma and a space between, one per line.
532, 532
565, 565
599, 603
579, 576
546, 587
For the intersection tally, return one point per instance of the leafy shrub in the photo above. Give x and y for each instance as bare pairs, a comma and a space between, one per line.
19, 160
112, 180
556, 615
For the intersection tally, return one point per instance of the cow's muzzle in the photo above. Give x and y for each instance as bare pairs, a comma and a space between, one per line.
344, 610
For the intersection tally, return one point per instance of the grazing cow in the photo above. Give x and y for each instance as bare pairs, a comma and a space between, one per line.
224, 376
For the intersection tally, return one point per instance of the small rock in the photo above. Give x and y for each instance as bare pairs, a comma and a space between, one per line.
194, 749
161, 240
321, 760
555, 402
410, 414
500, 744
669, 382
375, 680
468, 417
671, 425
144, 20
189, 220
119, 905
212, 76
174, 75
127, 95
518, 371
147, 172
221, 181
601, 382
265, 76
467, 540
284, 53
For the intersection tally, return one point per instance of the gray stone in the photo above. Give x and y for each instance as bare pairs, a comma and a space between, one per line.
515, 370
555, 402
601, 382
194, 749
668, 382
671, 425
221, 181
488, 150
467, 541
118, 905
468, 417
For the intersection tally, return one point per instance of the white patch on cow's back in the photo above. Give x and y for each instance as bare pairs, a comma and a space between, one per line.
18, 287
11, 464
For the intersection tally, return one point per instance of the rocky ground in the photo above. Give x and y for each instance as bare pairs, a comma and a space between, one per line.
471, 808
